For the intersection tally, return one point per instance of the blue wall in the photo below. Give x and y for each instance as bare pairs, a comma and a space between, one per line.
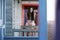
43, 20
57, 37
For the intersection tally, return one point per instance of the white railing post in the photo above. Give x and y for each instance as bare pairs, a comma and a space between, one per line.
25, 34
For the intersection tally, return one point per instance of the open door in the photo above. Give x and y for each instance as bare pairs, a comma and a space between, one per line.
25, 8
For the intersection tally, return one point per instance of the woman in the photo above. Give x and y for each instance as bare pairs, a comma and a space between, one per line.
30, 16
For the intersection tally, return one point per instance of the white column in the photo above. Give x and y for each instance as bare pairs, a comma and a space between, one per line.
17, 12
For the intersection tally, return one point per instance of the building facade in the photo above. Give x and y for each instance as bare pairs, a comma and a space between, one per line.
14, 16
12, 19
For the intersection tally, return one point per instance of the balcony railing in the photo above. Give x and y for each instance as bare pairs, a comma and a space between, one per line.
23, 35
26, 33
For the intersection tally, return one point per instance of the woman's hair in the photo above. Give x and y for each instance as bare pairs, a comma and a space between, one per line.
29, 9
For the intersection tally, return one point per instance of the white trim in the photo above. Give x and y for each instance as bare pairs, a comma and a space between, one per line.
5, 16
5, 12
30, 2
2, 20
2, 13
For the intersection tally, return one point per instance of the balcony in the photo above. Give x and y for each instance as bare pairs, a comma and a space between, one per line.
24, 36
26, 33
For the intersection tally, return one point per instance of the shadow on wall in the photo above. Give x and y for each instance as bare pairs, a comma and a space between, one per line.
51, 27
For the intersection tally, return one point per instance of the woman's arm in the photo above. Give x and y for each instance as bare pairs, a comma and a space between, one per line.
34, 15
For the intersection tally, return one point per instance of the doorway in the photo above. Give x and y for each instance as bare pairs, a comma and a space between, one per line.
35, 9
25, 8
